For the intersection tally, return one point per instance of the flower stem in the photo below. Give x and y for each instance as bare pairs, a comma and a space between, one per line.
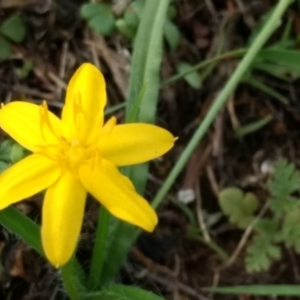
99, 250
265, 33
70, 281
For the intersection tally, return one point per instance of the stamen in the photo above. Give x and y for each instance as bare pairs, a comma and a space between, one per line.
78, 110
44, 120
107, 129
109, 125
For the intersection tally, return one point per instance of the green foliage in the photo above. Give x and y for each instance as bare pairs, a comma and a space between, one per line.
10, 153
239, 207
282, 227
172, 35
262, 251
291, 230
5, 48
253, 126
285, 181
281, 60
193, 78
273, 290
99, 17
11, 30
121, 292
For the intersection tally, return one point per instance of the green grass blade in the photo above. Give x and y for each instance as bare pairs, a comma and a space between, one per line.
141, 107
261, 290
15, 221
99, 249
146, 60
122, 292
253, 126
268, 90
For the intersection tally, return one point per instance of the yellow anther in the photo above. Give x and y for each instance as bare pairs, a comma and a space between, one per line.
45, 123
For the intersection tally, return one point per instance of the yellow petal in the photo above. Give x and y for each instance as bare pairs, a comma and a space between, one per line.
135, 143
117, 194
29, 124
62, 217
82, 114
26, 178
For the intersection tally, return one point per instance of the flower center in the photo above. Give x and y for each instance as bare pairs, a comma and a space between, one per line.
73, 154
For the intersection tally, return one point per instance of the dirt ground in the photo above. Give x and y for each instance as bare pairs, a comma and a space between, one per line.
169, 262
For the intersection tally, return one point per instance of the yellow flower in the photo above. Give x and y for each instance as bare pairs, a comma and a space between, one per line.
76, 155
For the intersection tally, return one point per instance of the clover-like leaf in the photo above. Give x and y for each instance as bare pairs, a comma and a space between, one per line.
239, 207
99, 16
5, 48
13, 28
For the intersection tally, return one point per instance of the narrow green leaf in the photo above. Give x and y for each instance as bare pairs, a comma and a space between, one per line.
266, 89
145, 71
288, 58
172, 35
133, 115
19, 224
13, 28
193, 79
253, 127
122, 292
146, 59
261, 290
16, 222
279, 71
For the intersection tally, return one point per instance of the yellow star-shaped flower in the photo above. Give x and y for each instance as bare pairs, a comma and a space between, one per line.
76, 155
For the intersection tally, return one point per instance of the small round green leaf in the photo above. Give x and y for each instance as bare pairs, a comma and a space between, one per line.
13, 28
90, 10
99, 16
5, 49
102, 25
239, 207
